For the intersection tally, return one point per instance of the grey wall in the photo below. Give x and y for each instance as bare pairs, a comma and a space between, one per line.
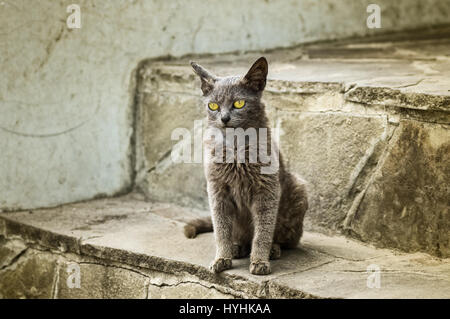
66, 95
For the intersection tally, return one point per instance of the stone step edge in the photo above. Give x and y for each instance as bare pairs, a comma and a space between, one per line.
63, 244
367, 95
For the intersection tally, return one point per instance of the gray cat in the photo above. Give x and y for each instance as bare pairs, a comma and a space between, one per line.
252, 212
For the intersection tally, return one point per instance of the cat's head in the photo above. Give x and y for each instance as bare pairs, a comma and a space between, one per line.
234, 101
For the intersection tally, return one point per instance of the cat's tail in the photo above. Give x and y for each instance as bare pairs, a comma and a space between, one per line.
198, 226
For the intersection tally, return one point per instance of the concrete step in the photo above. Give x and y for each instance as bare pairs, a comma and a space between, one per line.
128, 248
366, 124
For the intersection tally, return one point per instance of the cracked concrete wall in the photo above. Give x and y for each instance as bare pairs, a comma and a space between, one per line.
66, 95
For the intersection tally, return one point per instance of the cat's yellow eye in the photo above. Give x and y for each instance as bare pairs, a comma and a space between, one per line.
213, 106
239, 104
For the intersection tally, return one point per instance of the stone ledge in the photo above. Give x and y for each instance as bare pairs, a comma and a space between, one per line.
129, 248
386, 71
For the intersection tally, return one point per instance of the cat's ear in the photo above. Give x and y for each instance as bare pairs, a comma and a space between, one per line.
208, 79
256, 76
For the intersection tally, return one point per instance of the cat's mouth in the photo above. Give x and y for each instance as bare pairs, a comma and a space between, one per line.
228, 125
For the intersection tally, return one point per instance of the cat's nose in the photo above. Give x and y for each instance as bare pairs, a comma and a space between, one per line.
226, 118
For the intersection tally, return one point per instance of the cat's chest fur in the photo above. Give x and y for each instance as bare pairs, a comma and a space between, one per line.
239, 180
243, 180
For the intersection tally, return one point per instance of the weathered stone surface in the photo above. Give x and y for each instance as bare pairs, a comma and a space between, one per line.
161, 113
102, 282
185, 290
341, 247
10, 250
407, 204
329, 151
182, 285
181, 183
164, 107
353, 280
387, 96
31, 276
145, 254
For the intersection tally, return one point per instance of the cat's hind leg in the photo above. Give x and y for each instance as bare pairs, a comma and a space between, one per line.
292, 208
240, 251
275, 252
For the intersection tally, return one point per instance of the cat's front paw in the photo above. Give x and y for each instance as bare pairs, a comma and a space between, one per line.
260, 268
220, 264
